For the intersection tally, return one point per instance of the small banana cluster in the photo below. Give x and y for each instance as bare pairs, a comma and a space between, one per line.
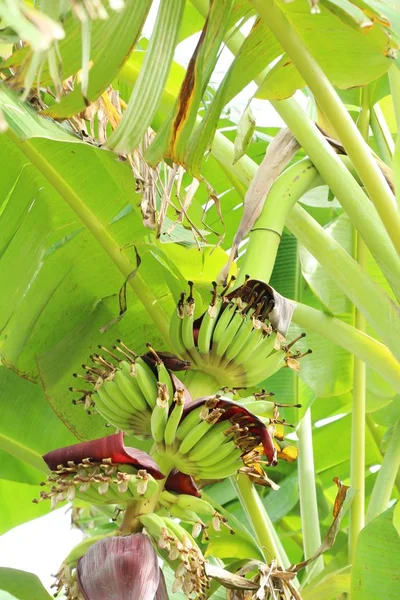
213, 437
237, 340
131, 392
182, 553
190, 509
98, 483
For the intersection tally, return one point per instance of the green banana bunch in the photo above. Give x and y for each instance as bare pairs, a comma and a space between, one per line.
191, 509
98, 483
180, 550
233, 341
132, 393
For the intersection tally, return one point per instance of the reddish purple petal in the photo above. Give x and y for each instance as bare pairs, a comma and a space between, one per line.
233, 409
111, 446
120, 568
162, 592
182, 484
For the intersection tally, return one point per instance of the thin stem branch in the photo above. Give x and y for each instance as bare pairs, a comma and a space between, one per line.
330, 103
386, 478
99, 231
382, 135
308, 495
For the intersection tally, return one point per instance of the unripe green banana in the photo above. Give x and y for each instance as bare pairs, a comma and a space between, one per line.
130, 388
268, 367
175, 330
110, 415
252, 343
173, 421
187, 516
241, 338
225, 451
154, 524
222, 323
263, 350
208, 324
234, 325
113, 403
159, 418
190, 421
179, 531
147, 381
211, 442
198, 505
261, 408
194, 436
220, 470
169, 497
78, 551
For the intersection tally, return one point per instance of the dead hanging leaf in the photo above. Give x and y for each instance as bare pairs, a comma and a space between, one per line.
228, 579
122, 295
279, 153
343, 500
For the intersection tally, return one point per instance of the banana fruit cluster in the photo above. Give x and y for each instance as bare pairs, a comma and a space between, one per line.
132, 393
233, 341
213, 438
180, 550
98, 483
190, 509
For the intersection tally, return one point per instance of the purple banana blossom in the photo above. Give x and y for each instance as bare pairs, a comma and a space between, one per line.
121, 568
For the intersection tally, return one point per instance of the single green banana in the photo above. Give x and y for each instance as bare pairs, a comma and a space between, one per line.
198, 505
191, 439
178, 531
220, 328
173, 421
221, 470
241, 338
154, 524
252, 344
147, 381
175, 331
207, 326
231, 331
263, 350
158, 422
113, 403
187, 516
188, 423
165, 378
266, 368
109, 415
211, 442
261, 408
169, 497
187, 332
224, 451
130, 388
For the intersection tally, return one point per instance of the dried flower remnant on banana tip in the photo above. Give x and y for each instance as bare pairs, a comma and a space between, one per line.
240, 339
124, 387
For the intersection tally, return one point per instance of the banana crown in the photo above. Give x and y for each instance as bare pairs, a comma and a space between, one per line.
127, 388
240, 339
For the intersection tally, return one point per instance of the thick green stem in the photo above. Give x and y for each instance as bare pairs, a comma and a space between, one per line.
330, 103
348, 275
308, 495
357, 462
99, 231
258, 517
385, 481
136, 508
366, 348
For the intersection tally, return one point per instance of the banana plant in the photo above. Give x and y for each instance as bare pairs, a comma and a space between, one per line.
200, 313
